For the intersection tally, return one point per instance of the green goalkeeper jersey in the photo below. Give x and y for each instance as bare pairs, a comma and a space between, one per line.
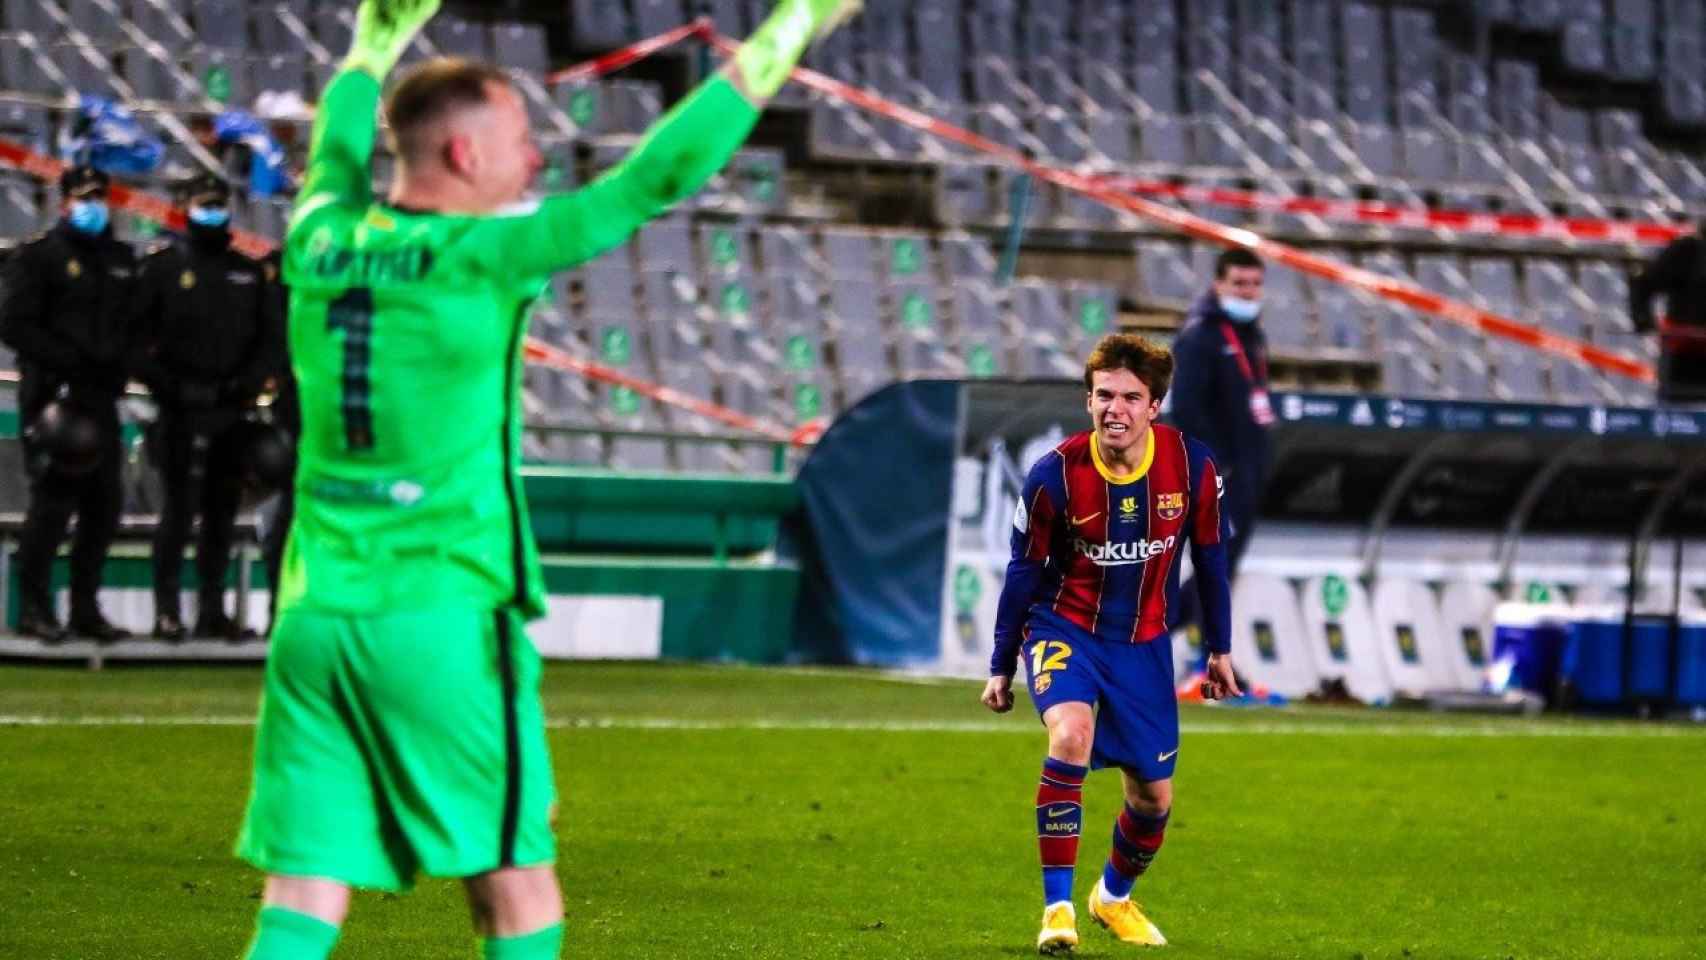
406, 336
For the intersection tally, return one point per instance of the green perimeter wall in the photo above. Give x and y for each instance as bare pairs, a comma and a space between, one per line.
699, 543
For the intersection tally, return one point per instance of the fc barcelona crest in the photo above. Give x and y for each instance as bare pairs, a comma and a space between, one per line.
1169, 506
1042, 683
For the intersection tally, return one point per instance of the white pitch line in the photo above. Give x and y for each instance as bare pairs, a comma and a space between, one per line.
1304, 728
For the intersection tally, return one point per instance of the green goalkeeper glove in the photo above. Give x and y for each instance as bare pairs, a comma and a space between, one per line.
763, 62
383, 30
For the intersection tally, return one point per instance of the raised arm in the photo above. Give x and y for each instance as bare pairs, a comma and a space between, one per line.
677, 156
340, 154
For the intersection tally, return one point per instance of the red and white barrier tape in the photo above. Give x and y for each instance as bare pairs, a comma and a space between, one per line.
633, 53
1396, 291
537, 352
1415, 218
1098, 189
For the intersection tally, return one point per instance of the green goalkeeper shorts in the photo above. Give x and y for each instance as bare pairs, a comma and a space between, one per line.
395, 744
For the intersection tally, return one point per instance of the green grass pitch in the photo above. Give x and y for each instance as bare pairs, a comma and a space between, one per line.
730, 812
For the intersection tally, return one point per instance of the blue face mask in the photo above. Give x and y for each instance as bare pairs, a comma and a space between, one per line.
1241, 310
88, 216
210, 216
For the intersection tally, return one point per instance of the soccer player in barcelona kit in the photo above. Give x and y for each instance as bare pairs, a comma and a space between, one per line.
1089, 591
400, 725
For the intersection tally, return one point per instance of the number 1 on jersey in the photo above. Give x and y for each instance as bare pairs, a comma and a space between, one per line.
353, 314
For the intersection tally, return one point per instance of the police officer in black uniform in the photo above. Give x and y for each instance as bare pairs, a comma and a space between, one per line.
206, 326
69, 296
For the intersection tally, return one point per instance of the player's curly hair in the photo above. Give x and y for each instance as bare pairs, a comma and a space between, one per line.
1127, 351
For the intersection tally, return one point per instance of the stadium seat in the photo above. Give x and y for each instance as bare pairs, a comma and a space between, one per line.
221, 23
223, 75
19, 216
1633, 40
523, 47
279, 72
1270, 644
599, 24
683, 333
980, 337
1466, 621
1342, 320
964, 194
1037, 305
1413, 639
860, 351
1342, 637
1524, 375
457, 37
787, 252
96, 22
1163, 275
848, 253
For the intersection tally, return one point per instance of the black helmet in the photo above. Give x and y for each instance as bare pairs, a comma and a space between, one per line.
71, 439
268, 457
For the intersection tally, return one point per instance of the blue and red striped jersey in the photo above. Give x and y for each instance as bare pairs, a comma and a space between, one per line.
1103, 553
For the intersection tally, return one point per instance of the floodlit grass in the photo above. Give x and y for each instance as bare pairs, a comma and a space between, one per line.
729, 812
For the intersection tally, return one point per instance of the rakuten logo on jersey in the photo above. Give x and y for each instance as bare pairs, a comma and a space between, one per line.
1122, 554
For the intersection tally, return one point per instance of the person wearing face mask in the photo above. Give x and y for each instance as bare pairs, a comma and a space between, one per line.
68, 293
208, 330
1220, 394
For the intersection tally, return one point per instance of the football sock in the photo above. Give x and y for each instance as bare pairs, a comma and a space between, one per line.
1136, 839
1060, 815
284, 934
543, 944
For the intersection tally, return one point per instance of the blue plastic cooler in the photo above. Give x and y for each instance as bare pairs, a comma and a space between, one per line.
1649, 659
1593, 657
1533, 635
1691, 661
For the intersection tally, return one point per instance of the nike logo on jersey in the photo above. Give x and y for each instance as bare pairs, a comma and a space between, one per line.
1163, 758
1063, 811
1080, 521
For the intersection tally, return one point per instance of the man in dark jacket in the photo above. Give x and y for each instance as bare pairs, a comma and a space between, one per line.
1678, 273
69, 293
207, 325
1220, 393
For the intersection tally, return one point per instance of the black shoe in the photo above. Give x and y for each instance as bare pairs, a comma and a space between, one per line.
169, 628
97, 628
216, 626
41, 626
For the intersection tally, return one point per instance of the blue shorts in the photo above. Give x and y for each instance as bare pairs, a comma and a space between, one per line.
1130, 685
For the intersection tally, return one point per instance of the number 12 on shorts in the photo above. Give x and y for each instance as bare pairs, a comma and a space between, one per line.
1049, 655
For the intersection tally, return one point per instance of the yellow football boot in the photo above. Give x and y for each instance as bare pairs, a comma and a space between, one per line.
1124, 919
1060, 929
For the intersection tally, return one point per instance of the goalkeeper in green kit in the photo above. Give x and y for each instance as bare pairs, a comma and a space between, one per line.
400, 727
